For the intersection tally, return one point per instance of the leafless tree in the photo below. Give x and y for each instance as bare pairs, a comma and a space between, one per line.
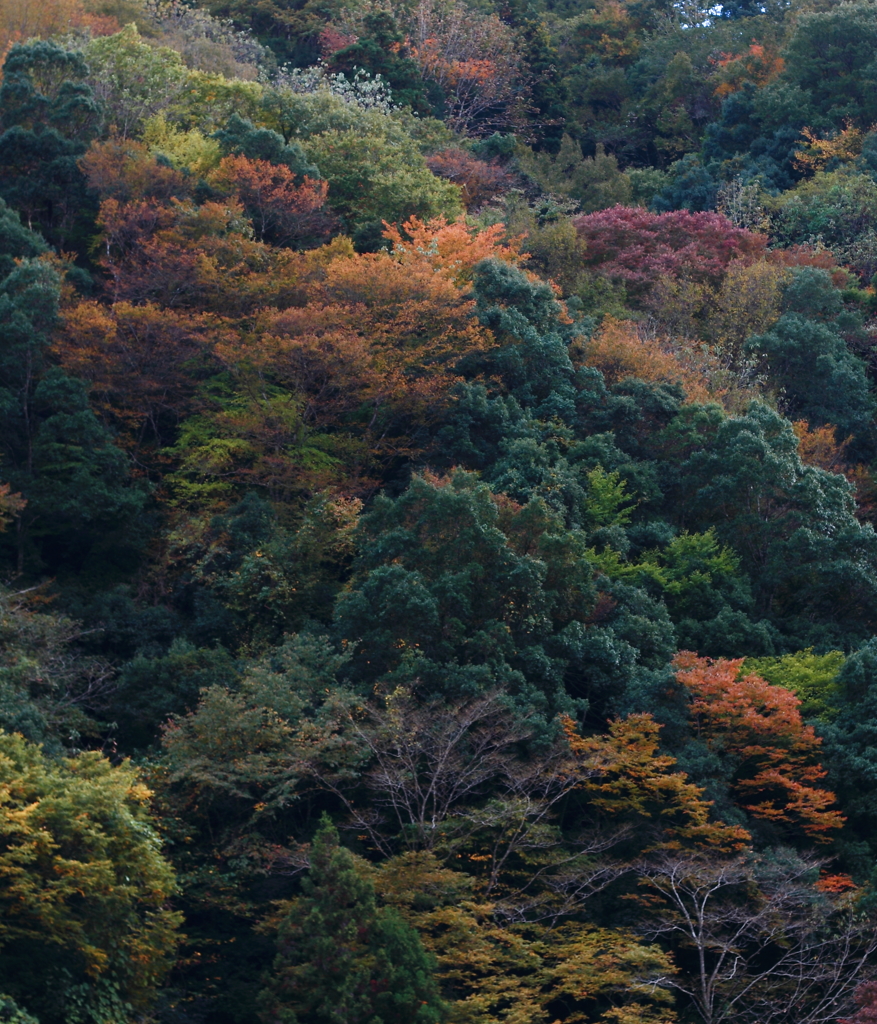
449, 778
756, 941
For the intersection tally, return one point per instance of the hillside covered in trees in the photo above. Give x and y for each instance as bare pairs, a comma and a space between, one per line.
438, 477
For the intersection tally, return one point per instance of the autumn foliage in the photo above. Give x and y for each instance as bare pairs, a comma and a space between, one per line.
619, 350
282, 211
480, 180
772, 754
381, 438
636, 248
758, 64
626, 774
454, 248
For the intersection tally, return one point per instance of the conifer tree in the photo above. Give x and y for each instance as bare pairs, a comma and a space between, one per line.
341, 959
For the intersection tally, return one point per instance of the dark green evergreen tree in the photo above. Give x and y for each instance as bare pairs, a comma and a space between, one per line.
48, 116
343, 960
16, 240
241, 137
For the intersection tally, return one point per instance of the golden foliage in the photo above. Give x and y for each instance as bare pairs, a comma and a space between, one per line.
620, 350
624, 774
818, 447
21, 20
507, 974
10, 505
843, 146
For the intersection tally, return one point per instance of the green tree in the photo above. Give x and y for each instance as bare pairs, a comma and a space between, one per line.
821, 380
16, 241
29, 300
830, 56
812, 677
51, 691
595, 182
793, 526
12, 1013
48, 115
463, 591
380, 175
341, 959
850, 745
132, 79
240, 137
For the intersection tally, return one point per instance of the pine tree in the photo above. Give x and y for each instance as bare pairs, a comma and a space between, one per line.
341, 959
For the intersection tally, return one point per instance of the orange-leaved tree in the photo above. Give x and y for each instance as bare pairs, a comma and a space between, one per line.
143, 365
372, 344
452, 248
619, 349
283, 211
772, 755
125, 170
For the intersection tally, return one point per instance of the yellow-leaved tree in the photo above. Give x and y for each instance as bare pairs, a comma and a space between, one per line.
85, 930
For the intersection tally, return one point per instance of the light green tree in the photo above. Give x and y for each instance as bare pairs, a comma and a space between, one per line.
132, 79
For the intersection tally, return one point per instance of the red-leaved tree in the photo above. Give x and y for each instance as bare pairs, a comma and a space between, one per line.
865, 998
636, 248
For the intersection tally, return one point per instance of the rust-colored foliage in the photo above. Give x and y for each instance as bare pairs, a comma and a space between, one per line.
473, 59
185, 256
835, 883
371, 349
21, 20
619, 350
776, 774
10, 505
810, 256
125, 170
865, 998
158, 245
282, 211
142, 364
481, 181
818, 447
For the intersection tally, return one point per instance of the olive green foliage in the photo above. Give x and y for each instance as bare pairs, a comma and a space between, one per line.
86, 933
594, 182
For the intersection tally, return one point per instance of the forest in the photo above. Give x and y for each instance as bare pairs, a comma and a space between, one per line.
438, 479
